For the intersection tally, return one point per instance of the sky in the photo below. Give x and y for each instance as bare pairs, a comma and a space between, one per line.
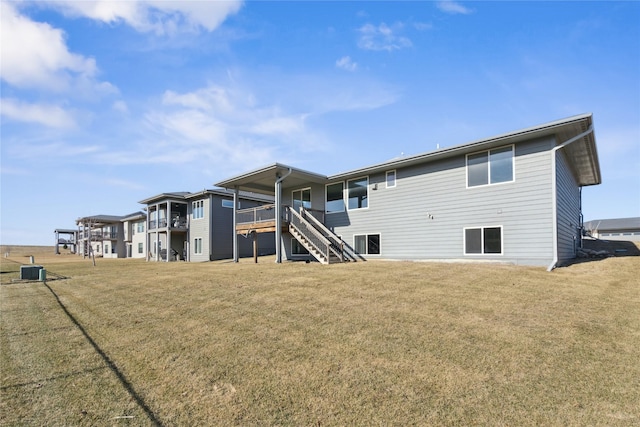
106, 103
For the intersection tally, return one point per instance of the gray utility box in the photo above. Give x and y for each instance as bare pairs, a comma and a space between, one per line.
30, 272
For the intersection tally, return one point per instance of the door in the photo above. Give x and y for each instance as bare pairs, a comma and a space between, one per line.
301, 199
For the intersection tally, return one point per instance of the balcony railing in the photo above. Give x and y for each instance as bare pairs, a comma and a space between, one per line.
259, 214
179, 223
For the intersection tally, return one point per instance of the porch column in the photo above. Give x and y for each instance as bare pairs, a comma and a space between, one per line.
278, 197
157, 233
235, 219
168, 221
57, 240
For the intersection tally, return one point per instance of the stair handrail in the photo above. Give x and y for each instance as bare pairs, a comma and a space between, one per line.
310, 228
337, 245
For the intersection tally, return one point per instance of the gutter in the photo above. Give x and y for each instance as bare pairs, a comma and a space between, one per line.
278, 202
554, 189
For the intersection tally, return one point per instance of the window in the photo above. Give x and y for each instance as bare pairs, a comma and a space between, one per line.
141, 227
297, 248
358, 190
226, 203
197, 245
301, 198
391, 179
490, 167
106, 249
367, 244
483, 240
335, 198
140, 248
198, 209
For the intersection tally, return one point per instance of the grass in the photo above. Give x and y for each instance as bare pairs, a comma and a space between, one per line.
378, 343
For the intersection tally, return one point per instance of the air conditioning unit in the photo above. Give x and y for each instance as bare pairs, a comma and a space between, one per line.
30, 272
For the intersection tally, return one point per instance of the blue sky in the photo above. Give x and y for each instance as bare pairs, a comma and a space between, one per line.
107, 103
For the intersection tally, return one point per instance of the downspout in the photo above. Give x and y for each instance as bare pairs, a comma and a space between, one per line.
278, 202
235, 220
554, 193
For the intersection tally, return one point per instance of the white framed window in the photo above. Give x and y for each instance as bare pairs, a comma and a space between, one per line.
140, 227
358, 193
140, 248
483, 241
197, 245
301, 198
334, 197
297, 248
390, 179
490, 167
226, 203
367, 244
197, 209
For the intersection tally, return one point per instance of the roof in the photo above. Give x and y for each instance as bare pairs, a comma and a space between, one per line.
581, 154
65, 230
133, 216
99, 220
223, 192
178, 195
263, 180
613, 224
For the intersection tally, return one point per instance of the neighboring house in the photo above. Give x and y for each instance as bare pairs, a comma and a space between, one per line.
199, 226
627, 229
102, 234
513, 198
135, 236
67, 238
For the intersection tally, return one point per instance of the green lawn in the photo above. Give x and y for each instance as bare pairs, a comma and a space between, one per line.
372, 343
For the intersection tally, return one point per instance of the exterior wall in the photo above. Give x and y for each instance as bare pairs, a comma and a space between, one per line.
568, 208
137, 238
199, 228
425, 214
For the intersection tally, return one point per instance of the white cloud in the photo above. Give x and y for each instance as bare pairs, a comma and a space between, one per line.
382, 37
120, 106
48, 115
346, 63
41, 58
158, 16
453, 7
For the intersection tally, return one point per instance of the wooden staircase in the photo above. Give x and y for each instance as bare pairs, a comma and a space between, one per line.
322, 243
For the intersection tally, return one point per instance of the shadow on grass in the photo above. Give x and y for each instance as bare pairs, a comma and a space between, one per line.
612, 248
112, 366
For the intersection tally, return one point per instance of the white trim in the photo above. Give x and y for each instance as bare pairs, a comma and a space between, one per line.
488, 151
482, 228
386, 178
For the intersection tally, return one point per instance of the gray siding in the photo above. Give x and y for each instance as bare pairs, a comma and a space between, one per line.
199, 228
424, 216
568, 208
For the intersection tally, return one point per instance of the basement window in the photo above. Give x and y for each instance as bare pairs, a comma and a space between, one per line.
483, 240
367, 244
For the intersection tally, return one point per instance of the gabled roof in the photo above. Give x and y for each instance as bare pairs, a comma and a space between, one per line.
613, 224
581, 154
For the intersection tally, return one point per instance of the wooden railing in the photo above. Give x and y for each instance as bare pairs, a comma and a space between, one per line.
314, 237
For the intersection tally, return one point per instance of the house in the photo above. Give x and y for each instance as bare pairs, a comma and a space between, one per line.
512, 198
104, 235
199, 226
135, 237
627, 229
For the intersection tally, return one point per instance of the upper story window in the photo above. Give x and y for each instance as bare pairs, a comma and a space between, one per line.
226, 203
490, 167
334, 197
358, 193
391, 179
140, 227
198, 209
